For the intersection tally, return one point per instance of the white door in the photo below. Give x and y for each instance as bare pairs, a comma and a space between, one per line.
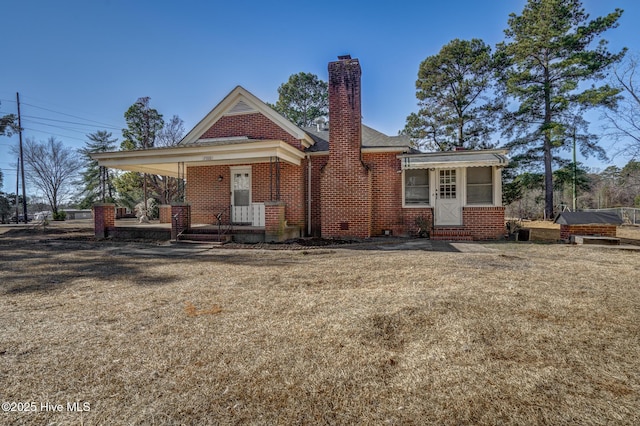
448, 198
241, 194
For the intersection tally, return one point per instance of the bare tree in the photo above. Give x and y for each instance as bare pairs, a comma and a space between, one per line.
624, 121
52, 168
167, 188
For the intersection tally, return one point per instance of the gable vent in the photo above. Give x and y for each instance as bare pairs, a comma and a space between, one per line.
240, 108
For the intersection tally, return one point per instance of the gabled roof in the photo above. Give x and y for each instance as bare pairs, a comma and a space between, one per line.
241, 101
371, 140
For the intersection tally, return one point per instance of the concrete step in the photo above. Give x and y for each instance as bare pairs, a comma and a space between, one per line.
205, 238
590, 239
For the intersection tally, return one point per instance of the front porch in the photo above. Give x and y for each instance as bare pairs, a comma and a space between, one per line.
179, 227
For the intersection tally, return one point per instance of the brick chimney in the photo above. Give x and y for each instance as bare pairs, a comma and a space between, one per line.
345, 112
345, 181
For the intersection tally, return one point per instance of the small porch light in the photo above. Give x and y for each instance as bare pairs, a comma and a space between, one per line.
220, 178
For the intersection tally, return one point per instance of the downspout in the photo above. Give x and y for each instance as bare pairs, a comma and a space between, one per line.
308, 194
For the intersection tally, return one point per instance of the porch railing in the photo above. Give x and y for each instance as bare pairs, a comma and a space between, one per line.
252, 214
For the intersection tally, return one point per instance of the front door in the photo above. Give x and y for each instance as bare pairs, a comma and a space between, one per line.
241, 194
448, 200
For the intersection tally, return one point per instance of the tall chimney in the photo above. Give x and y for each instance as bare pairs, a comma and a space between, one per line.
345, 113
345, 180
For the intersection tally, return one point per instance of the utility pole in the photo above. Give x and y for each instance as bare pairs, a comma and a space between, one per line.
24, 193
575, 169
17, 188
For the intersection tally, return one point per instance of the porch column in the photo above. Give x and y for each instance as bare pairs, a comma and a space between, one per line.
180, 219
274, 221
104, 217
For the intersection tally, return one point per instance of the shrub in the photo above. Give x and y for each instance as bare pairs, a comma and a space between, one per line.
59, 215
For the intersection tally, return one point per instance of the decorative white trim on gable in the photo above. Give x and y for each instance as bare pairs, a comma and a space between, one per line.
241, 101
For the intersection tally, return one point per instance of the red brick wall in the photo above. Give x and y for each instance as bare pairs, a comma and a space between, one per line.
317, 164
274, 217
386, 193
345, 181
595, 229
254, 126
104, 217
409, 217
484, 223
180, 219
207, 196
165, 213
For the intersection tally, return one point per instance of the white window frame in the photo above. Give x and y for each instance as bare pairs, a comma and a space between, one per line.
430, 177
496, 188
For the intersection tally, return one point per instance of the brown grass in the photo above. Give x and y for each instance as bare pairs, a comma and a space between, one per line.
522, 334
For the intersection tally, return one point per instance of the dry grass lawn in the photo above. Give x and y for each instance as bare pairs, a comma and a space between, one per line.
520, 334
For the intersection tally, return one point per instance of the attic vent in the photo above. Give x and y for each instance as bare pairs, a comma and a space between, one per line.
240, 108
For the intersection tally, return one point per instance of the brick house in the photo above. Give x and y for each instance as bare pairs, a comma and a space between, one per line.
246, 161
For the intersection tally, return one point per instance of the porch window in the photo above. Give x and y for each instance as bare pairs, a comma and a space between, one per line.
416, 187
480, 185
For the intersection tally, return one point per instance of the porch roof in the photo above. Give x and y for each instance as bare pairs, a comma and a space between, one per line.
165, 161
455, 159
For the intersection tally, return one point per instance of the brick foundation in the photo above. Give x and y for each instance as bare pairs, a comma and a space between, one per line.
484, 223
104, 217
595, 229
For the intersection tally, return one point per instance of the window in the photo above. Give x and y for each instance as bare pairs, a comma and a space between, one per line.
416, 187
447, 184
480, 185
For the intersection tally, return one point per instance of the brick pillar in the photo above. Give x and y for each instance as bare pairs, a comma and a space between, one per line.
180, 219
165, 213
104, 217
274, 221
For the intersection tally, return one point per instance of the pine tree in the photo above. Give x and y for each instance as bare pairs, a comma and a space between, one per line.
551, 66
97, 180
452, 91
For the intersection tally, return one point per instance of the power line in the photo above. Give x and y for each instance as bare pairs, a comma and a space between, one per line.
69, 115
111, 126
54, 134
66, 122
69, 129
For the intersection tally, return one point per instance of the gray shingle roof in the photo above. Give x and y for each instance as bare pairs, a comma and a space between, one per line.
370, 139
583, 218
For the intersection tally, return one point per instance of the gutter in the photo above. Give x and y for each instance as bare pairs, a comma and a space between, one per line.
308, 195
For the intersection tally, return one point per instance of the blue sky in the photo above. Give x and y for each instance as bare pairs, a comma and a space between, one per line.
90, 60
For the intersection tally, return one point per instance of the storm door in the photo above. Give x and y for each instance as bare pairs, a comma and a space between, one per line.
448, 199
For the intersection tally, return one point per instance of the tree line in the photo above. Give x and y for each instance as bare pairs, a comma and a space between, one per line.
532, 89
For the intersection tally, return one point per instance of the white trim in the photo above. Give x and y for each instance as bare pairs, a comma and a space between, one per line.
382, 149
163, 161
455, 159
241, 169
229, 102
460, 185
418, 206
